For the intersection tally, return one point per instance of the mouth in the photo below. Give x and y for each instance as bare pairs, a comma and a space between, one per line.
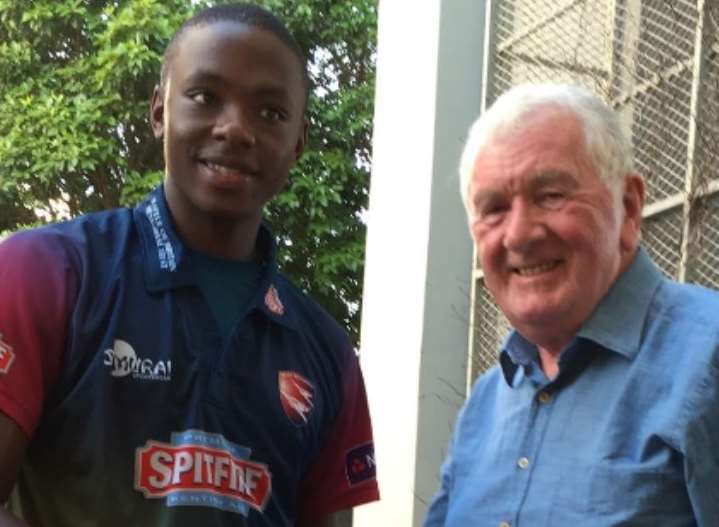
537, 269
228, 169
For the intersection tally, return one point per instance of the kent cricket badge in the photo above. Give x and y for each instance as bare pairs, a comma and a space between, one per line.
273, 303
297, 396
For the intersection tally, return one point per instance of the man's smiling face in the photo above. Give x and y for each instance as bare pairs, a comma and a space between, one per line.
232, 120
550, 234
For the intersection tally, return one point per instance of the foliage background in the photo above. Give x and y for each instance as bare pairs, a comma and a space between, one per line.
75, 83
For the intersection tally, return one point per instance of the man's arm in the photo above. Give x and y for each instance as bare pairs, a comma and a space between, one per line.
12, 449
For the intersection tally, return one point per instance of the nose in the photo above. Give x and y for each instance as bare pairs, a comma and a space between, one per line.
234, 125
523, 226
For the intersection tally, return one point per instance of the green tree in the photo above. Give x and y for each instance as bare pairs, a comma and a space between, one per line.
75, 81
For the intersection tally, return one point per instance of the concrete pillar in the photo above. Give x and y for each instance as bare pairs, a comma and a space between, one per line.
417, 276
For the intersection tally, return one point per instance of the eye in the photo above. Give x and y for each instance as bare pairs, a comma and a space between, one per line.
491, 213
273, 114
203, 97
551, 200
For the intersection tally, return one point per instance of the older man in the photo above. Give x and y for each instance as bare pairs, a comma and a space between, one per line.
604, 409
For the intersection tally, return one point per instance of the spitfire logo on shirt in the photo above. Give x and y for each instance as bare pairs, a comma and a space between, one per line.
297, 396
202, 469
7, 356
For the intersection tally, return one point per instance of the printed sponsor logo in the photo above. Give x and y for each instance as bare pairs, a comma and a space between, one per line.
360, 465
297, 396
273, 302
7, 356
165, 252
202, 469
123, 361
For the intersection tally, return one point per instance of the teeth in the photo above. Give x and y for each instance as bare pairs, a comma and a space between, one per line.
223, 169
535, 269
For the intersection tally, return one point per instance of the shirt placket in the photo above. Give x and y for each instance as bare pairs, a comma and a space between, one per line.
526, 462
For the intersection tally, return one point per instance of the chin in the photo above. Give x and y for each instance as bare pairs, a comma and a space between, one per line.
540, 315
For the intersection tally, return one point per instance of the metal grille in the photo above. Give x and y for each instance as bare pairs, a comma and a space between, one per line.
662, 236
657, 63
486, 335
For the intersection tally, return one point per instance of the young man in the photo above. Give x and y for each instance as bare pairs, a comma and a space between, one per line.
155, 368
603, 408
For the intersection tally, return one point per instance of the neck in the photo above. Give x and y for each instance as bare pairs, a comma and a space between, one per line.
550, 361
221, 238
548, 348
228, 237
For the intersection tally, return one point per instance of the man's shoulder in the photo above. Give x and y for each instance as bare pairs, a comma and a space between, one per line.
71, 242
75, 230
488, 380
477, 415
680, 340
486, 387
688, 304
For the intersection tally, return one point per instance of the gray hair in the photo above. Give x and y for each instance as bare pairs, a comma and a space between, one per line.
608, 147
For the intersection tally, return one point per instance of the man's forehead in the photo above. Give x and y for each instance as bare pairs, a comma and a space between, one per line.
216, 36
221, 51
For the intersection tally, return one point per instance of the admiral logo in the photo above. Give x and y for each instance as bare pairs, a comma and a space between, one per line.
273, 302
124, 361
297, 396
360, 464
202, 469
7, 356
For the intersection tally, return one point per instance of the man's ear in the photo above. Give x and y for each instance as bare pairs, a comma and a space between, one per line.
632, 206
157, 112
302, 139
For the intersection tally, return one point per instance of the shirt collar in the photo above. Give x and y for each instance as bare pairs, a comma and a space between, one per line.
167, 263
616, 323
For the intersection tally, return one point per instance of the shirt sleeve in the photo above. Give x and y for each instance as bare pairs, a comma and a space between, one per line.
701, 450
37, 287
344, 473
438, 507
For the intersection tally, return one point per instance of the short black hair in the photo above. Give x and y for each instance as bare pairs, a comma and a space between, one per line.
242, 13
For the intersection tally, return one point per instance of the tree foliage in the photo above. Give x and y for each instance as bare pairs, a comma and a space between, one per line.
76, 78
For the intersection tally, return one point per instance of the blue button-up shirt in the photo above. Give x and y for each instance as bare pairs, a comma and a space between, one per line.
626, 434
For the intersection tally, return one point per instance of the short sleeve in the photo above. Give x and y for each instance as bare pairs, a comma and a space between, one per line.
37, 288
344, 473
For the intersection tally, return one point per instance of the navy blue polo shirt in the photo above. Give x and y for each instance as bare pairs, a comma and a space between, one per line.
140, 413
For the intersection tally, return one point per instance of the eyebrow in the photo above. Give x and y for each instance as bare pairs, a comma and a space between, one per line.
485, 196
553, 177
542, 179
265, 89
205, 75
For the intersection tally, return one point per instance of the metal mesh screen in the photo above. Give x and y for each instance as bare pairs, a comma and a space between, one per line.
657, 63
662, 236
487, 335
536, 40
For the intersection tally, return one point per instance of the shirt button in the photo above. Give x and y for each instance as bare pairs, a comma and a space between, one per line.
504, 524
544, 397
522, 463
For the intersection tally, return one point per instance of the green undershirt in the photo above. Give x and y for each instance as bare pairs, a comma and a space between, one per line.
228, 285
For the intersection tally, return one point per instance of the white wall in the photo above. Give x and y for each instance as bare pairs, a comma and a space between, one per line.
417, 274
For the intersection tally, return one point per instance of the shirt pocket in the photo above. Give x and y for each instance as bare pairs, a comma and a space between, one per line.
629, 495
